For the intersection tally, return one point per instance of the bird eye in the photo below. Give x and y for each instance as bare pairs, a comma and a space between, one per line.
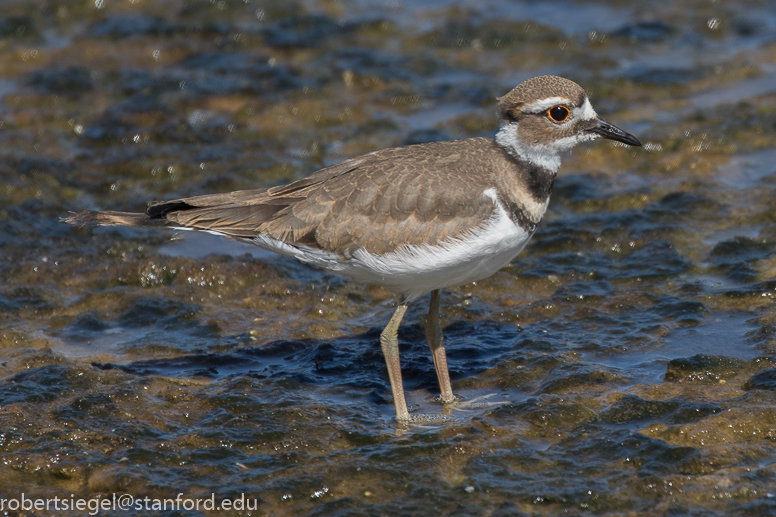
558, 113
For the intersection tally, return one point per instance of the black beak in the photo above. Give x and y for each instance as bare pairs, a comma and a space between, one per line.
612, 132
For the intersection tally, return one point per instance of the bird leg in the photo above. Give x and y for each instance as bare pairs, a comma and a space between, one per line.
437, 345
389, 341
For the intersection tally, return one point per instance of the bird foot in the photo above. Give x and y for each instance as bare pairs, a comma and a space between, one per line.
428, 418
456, 399
478, 403
457, 404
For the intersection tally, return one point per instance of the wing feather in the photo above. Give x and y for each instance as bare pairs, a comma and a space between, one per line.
422, 194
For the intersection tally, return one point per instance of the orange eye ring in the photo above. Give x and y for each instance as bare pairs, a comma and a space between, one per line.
558, 114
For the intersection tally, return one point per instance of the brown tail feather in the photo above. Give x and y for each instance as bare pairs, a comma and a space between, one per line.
95, 218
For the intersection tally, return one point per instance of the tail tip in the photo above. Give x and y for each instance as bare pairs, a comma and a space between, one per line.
83, 219
89, 218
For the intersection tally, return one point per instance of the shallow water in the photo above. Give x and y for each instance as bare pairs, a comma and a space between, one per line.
624, 363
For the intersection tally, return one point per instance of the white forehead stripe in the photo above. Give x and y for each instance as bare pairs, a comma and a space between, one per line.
585, 112
544, 104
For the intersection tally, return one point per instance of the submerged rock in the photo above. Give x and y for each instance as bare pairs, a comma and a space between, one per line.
73, 80
703, 369
764, 380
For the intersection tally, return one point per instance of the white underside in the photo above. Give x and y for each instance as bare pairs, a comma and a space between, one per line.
413, 271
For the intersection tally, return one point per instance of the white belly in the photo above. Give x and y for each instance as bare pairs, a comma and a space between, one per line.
413, 271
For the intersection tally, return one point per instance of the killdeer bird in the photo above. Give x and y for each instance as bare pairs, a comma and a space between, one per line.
415, 219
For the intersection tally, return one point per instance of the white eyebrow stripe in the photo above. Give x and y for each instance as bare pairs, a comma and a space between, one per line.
544, 104
585, 112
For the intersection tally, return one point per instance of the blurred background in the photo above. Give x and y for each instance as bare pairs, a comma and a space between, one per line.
627, 358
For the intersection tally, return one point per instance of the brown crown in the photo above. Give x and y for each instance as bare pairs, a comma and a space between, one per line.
538, 88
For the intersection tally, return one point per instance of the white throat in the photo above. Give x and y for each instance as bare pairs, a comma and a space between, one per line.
545, 156
542, 156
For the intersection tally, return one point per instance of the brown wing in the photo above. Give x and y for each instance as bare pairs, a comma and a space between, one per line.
412, 195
